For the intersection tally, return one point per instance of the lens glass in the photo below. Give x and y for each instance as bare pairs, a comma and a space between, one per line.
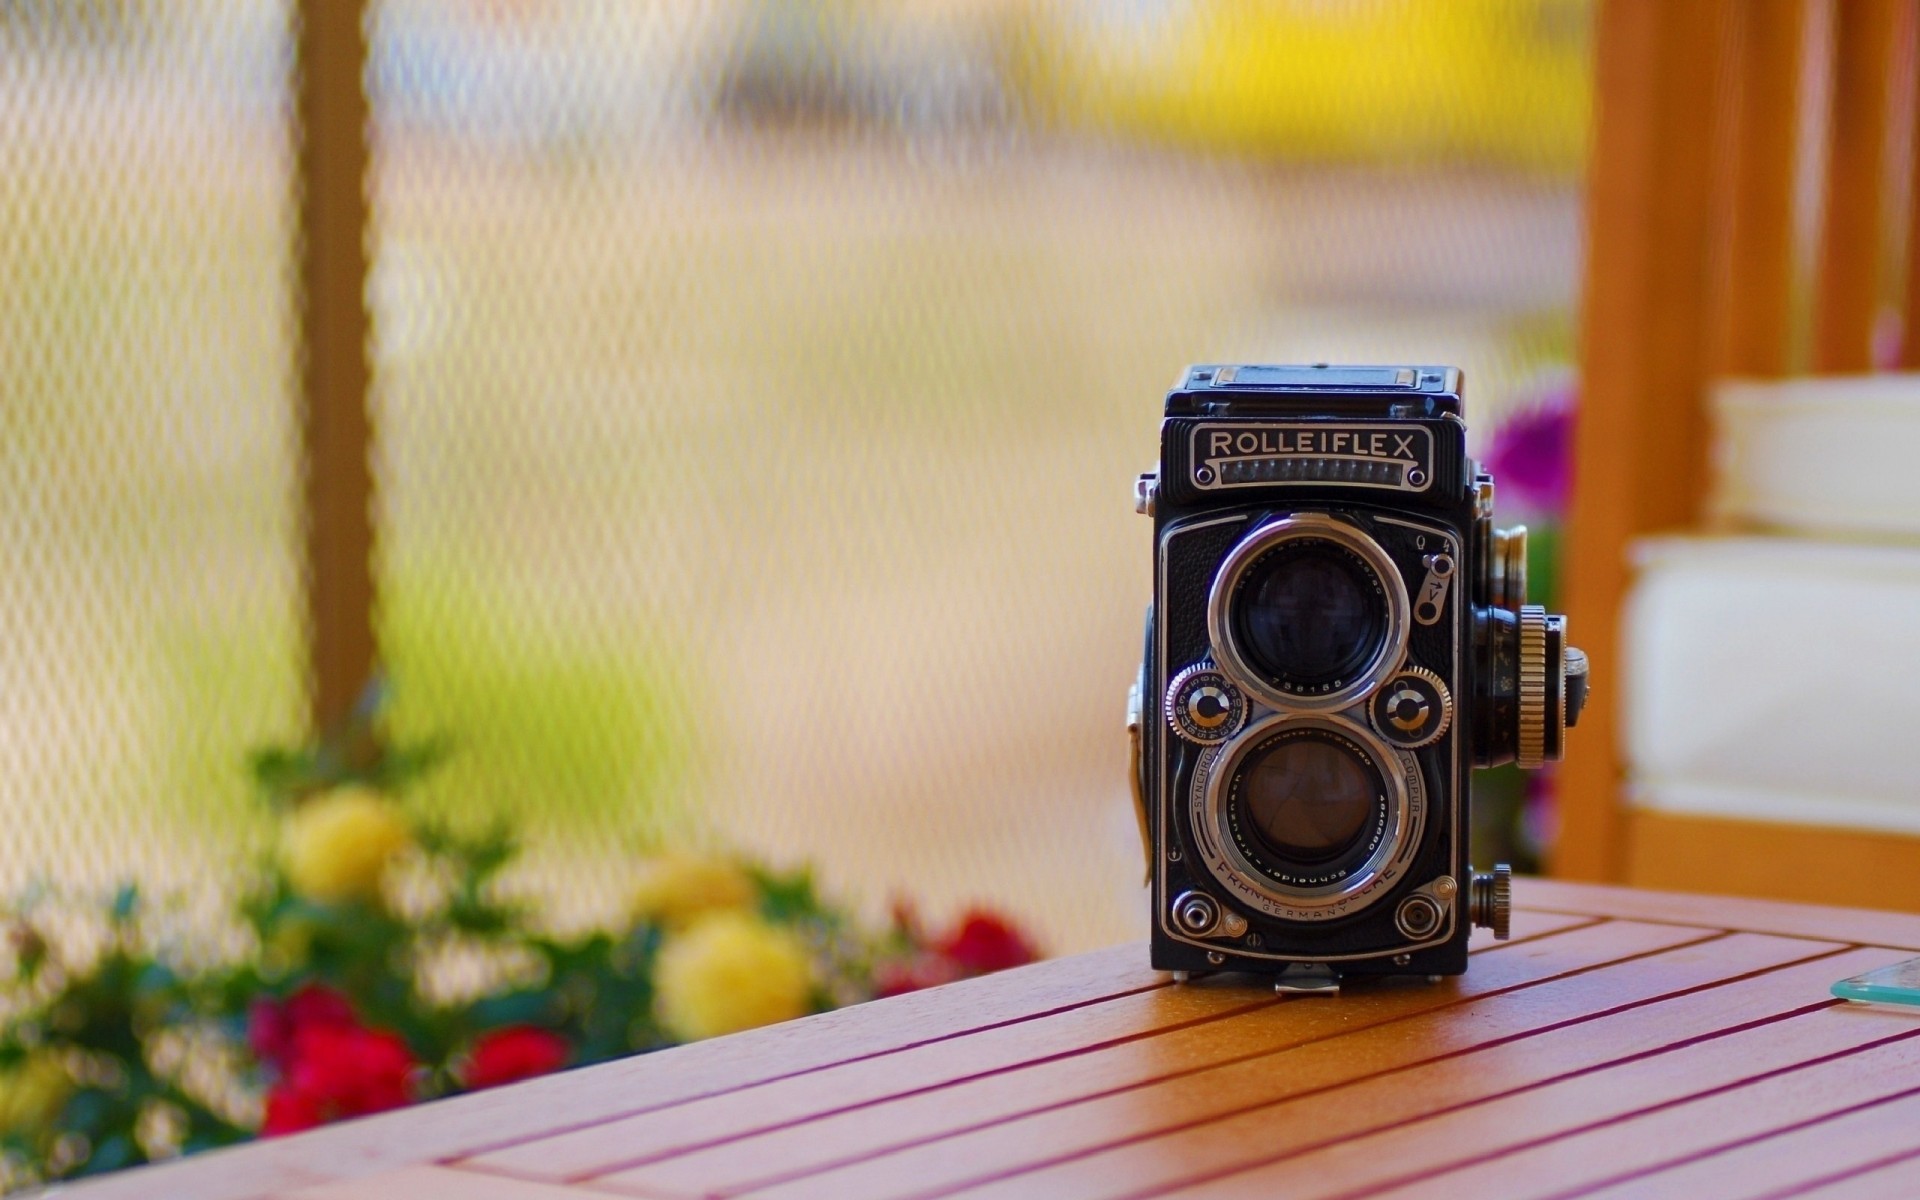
1309, 799
1310, 614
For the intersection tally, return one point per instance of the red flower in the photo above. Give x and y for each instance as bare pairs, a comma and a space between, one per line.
339, 1071
981, 942
290, 1112
514, 1053
272, 1024
900, 976
984, 942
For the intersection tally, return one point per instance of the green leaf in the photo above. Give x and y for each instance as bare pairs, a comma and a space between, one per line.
125, 901
110, 1154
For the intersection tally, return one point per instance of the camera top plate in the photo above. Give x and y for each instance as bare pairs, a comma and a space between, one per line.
1229, 390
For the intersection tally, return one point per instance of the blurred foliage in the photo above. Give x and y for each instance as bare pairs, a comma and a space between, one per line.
383, 964
1496, 81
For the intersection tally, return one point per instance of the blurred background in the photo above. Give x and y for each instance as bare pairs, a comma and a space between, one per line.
756, 391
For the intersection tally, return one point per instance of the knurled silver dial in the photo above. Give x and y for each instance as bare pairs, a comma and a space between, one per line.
1412, 708
1203, 706
1531, 746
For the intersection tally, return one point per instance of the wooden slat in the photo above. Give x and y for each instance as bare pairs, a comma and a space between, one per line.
1847, 292
1344, 1046
1621, 1152
1546, 1047
806, 1145
1832, 866
1860, 926
851, 1086
1641, 447
434, 1183
333, 362
1781, 1161
1894, 1177
469, 1124
733, 1114
1760, 256
1432, 1120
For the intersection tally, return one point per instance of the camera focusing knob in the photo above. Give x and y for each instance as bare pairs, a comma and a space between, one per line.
1530, 750
1203, 707
1490, 900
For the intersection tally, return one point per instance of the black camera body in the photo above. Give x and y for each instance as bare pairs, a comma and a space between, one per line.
1338, 637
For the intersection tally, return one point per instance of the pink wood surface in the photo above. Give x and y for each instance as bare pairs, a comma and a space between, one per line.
1625, 1043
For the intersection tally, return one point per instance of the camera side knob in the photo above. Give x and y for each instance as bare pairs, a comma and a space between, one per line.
1490, 900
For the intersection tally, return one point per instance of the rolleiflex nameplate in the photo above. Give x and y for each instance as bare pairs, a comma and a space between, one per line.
1896, 984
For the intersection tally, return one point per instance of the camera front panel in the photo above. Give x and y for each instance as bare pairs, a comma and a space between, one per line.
1307, 768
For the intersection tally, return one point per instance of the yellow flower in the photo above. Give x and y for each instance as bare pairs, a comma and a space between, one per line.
32, 1094
728, 972
678, 887
337, 846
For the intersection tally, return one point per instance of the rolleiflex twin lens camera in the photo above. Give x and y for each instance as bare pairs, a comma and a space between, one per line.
1338, 636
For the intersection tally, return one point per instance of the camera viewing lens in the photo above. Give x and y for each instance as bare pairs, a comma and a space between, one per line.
1307, 612
1311, 614
1309, 799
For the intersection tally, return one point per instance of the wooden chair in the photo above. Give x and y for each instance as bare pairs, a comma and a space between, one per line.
1690, 276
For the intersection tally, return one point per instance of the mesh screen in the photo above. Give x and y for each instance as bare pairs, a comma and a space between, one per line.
758, 392
761, 384
149, 585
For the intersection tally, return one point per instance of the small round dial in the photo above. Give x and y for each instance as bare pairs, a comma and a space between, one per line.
1203, 707
1411, 709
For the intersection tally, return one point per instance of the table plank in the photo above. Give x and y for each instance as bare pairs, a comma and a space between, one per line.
1862, 927
1333, 1041
434, 1183
1896, 1177
851, 1087
1525, 1096
1781, 1160
470, 1124
833, 1139
1412, 1123
1628, 1151
1687, 1040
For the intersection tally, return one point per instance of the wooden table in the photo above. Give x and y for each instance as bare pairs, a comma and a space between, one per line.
1623, 1044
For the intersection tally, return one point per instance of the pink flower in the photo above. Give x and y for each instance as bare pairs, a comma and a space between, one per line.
514, 1053
1532, 453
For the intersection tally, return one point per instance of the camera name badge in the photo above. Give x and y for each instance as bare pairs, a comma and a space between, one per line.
1396, 457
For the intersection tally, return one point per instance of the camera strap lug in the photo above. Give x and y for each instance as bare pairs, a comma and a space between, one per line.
1308, 979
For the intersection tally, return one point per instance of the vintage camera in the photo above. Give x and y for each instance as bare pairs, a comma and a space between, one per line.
1338, 636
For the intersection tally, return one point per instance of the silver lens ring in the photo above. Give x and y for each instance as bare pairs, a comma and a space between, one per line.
1226, 649
1372, 879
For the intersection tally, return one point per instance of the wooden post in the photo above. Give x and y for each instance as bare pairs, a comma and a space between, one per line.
332, 114
1766, 137
1640, 453
1847, 296
1910, 323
